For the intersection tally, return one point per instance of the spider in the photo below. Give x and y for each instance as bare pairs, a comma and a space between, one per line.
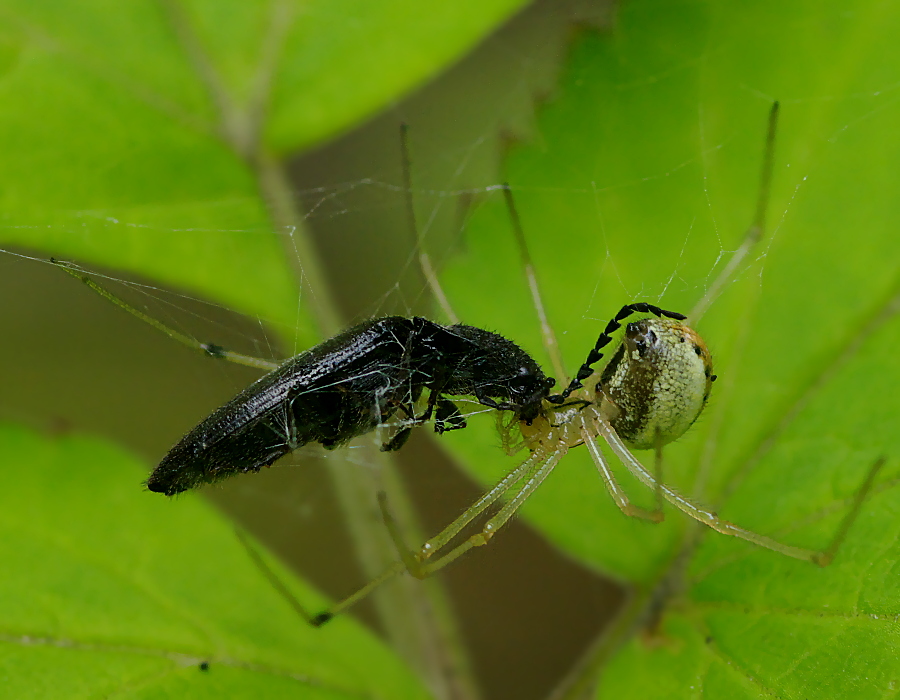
653, 388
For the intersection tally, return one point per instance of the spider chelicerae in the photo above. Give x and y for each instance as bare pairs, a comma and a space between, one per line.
652, 389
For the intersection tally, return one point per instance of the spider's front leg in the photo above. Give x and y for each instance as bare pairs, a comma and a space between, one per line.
521, 481
209, 349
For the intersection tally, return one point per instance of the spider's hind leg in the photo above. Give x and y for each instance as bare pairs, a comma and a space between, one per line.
826, 556
658, 472
616, 492
707, 516
409, 559
520, 482
276, 582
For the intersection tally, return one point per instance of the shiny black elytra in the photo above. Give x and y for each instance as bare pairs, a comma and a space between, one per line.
349, 385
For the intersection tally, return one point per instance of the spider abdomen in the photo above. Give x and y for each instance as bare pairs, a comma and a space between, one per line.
659, 379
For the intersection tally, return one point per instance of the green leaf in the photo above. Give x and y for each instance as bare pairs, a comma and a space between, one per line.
110, 590
129, 130
133, 136
640, 187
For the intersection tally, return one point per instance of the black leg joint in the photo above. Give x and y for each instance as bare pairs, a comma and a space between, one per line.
398, 441
320, 619
488, 401
213, 350
448, 417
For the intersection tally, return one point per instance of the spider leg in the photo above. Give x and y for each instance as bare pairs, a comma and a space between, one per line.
615, 491
532, 481
551, 345
658, 471
273, 578
425, 265
209, 349
525, 470
709, 518
416, 564
757, 229
406, 555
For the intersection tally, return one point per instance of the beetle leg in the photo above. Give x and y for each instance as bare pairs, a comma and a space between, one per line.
448, 417
401, 436
398, 441
486, 400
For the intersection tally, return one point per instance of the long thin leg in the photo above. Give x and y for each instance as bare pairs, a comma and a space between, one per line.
272, 578
392, 570
757, 229
494, 524
406, 555
658, 470
415, 564
615, 491
425, 265
549, 337
208, 349
487, 499
706, 516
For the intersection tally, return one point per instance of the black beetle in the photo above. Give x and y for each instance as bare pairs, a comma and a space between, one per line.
348, 386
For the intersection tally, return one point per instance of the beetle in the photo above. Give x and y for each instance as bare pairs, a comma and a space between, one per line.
350, 385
